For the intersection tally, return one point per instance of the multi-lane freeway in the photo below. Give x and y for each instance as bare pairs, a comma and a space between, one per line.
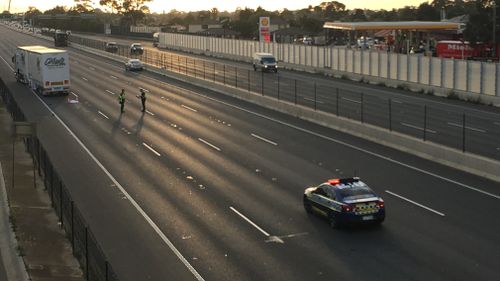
211, 188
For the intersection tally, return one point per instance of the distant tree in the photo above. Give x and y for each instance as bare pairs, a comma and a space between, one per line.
427, 12
407, 13
132, 10
32, 13
214, 13
56, 10
83, 6
480, 25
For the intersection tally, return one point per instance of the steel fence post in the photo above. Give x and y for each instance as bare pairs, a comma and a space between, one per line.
425, 122
295, 90
224, 74
87, 253
248, 80
204, 71
337, 102
72, 227
186, 66
236, 77
278, 87
390, 115
214, 72
315, 95
262, 82
106, 265
463, 133
362, 107
61, 203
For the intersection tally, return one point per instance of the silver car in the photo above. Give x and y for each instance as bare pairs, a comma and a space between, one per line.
133, 64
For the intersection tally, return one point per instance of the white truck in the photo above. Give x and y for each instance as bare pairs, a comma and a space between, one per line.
45, 70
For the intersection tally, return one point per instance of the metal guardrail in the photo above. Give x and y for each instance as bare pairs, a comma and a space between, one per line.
467, 132
84, 245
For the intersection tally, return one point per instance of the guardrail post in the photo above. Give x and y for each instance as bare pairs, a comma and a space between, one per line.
224, 74
214, 72
186, 66
204, 71
236, 77
195, 69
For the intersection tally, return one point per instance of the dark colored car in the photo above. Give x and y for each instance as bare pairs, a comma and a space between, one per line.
112, 47
136, 49
345, 201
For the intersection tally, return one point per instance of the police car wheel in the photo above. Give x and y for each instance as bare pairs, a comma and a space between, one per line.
332, 221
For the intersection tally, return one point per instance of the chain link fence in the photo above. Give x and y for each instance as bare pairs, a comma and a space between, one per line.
85, 246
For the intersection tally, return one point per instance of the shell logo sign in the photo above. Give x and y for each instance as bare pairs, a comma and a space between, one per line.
264, 32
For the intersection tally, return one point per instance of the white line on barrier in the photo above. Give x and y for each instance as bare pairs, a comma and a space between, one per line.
467, 127
209, 144
103, 114
309, 99
351, 100
152, 150
415, 203
418, 128
250, 222
263, 139
189, 108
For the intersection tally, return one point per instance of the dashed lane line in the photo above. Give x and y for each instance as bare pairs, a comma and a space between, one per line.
209, 144
151, 149
414, 203
263, 139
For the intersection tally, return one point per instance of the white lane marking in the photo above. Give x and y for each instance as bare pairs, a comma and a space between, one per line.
294, 235
119, 186
250, 222
467, 127
91, 68
418, 128
152, 150
189, 108
103, 114
308, 99
150, 113
85, 79
351, 100
397, 101
76, 96
263, 139
374, 154
114, 77
209, 144
110, 92
145, 90
415, 203
496, 123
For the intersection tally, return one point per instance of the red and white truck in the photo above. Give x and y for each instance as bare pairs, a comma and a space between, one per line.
45, 70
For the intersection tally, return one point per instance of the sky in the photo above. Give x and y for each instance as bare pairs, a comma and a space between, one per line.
230, 5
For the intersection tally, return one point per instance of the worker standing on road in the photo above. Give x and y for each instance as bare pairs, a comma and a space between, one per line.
121, 100
142, 96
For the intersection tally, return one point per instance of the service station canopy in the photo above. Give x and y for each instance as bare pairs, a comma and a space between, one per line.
394, 25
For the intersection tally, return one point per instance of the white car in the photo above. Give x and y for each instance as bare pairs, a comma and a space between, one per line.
133, 64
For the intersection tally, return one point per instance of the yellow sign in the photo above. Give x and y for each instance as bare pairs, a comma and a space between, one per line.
264, 22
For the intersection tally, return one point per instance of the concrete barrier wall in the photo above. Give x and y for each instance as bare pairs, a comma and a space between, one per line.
436, 72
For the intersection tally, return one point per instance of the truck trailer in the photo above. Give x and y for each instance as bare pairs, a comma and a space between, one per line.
45, 70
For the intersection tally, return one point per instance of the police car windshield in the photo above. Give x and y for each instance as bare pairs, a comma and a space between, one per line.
268, 60
354, 193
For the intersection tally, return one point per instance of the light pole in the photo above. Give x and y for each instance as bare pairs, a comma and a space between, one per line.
494, 49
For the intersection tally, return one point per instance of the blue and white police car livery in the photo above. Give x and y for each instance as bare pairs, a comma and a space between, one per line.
345, 201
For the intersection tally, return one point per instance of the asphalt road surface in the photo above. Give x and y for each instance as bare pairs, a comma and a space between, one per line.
223, 180
460, 125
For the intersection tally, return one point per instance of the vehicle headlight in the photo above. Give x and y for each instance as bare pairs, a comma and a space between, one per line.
265, 66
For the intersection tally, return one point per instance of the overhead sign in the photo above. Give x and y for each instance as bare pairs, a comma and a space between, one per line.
264, 29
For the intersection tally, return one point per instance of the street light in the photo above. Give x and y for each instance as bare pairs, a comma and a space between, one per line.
494, 49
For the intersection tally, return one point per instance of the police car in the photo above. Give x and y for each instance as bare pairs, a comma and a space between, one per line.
344, 201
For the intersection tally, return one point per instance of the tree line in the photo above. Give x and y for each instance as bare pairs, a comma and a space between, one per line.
309, 19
